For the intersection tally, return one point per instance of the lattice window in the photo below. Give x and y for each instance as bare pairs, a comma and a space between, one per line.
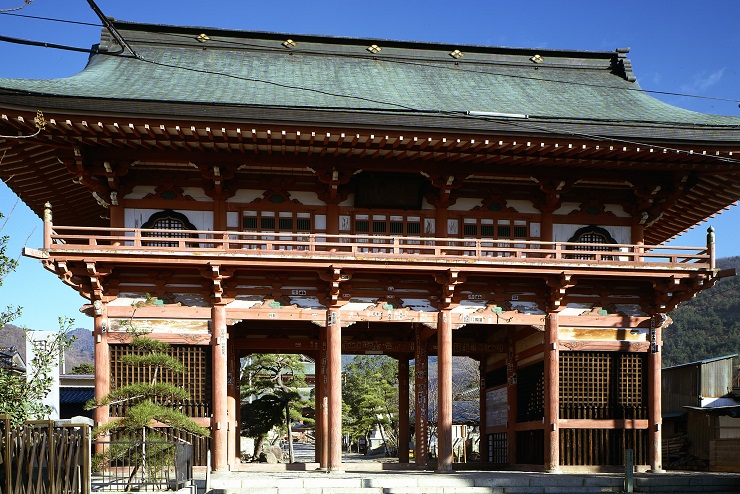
499, 449
277, 222
196, 379
585, 385
596, 238
631, 383
602, 385
169, 222
498, 229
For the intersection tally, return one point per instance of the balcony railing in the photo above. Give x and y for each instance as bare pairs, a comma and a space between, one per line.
321, 246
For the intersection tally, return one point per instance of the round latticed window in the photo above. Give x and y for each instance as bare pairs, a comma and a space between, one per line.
167, 224
594, 238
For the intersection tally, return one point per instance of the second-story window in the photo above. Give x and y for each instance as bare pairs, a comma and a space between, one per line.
271, 224
169, 224
594, 238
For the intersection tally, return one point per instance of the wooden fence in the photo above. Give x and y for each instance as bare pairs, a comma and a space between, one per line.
40, 457
724, 455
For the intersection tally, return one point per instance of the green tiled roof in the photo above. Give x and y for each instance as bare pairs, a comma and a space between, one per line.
324, 80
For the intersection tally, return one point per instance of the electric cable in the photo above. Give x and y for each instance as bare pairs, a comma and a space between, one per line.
458, 114
396, 60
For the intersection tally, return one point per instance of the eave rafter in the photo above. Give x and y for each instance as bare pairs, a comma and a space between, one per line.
229, 146
201, 136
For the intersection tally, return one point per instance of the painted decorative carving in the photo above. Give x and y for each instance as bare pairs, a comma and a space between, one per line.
574, 345
169, 192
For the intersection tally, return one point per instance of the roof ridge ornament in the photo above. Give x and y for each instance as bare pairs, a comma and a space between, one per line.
622, 66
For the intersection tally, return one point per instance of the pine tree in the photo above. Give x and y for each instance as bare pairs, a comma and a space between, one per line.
274, 379
155, 400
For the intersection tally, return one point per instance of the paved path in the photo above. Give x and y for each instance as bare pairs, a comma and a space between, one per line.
305, 453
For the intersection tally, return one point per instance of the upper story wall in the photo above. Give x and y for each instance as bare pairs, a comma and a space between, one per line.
475, 211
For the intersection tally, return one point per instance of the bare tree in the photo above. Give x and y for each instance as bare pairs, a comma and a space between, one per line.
12, 9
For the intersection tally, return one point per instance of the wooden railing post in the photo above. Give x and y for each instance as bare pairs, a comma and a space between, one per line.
48, 226
711, 248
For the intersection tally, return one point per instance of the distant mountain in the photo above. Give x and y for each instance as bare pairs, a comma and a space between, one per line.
708, 325
81, 351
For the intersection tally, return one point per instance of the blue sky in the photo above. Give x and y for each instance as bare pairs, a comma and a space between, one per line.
683, 47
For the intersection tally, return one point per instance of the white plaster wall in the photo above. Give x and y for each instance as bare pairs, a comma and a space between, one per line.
245, 195
465, 204
306, 197
425, 204
617, 210
134, 217
349, 202
232, 220
140, 191
562, 233
567, 208
523, 206
196, 193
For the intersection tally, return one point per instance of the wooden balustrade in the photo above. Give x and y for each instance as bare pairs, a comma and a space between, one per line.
365, 247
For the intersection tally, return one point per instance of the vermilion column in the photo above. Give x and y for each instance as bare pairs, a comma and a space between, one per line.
232, 402
654, 402
219, 376
334, 387
322, 405
638, 239
421, 388
552, 392
102, 364
482, 411
511, 398
444, 383
403, 409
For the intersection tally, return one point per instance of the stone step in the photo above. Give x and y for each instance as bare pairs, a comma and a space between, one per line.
473, 483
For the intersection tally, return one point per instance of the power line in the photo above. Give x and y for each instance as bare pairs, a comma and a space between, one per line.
109, 25
456, 114
52, 19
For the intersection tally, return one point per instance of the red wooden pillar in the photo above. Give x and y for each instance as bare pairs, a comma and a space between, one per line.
552, 393
219, 215
317, 399
101, 414
654, 402
232, 401
421, 389
403, 409
48, 226
511, 398
482, 410
334, 387
638, 238
444, 380
546, 228
219, 376
322, 405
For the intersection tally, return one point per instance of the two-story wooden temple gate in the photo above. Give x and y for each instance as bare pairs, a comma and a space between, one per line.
561, 386
237, 191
